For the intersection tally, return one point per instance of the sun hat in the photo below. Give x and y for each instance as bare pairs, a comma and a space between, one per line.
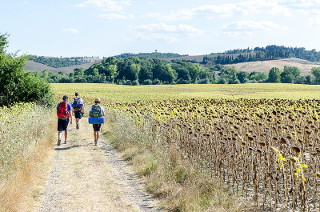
65, 97
97, 100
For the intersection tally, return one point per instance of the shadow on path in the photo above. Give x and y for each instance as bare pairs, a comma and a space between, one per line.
66, 148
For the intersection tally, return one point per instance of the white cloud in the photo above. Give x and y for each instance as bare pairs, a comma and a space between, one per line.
314, 21
249, 27
116, 16
108, 5
153, 15
205, 10
242, 8
152, 2
165, 32
301, 4
70, 30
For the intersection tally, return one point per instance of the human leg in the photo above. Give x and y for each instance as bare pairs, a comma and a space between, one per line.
97, 136
65, 136
96, 128
59, 138
78, 116
60, 129
66, 130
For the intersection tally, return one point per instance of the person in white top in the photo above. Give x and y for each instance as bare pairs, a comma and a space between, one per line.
96, 110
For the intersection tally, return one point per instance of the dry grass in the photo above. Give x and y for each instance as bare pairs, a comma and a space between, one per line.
21, 191
180, 185
265, 66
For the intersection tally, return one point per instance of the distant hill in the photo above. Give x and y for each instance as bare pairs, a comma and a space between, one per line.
258, 59
34, 66
256, 66
271, 52
265, 66
60, 62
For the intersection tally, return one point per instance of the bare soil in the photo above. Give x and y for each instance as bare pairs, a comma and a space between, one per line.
85, 177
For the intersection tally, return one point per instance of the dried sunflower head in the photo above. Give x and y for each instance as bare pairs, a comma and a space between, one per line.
296, 149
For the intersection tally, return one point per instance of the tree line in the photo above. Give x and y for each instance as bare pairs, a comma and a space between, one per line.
150, 55
151, 71
58, 62
271, 52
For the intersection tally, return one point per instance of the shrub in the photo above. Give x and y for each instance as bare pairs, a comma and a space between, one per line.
222, 81
183, 81
236, 82
203, 81
135, 82
147, 82
156, 82
127, 82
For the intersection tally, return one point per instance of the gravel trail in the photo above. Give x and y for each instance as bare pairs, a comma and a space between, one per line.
85, 177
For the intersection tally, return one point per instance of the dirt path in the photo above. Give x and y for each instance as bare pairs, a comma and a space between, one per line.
85, 177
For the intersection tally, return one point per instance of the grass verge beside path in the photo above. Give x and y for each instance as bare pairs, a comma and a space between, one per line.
26, 143
180, 185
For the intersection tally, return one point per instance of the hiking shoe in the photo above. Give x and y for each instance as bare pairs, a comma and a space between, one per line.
77, 126
95, 142
65, 142
59, 142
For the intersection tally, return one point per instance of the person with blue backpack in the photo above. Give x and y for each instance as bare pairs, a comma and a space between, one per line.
64, 116
78, 109
96, 112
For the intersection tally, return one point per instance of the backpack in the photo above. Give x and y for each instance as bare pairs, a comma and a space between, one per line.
76, 104
63, 112
96, 111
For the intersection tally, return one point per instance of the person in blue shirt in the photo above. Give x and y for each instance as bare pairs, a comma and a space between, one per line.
64, 115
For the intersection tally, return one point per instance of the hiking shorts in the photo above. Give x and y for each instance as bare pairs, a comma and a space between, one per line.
96, 127
78, 114
63, 124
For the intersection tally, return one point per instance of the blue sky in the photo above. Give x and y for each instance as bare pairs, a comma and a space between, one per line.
109, 27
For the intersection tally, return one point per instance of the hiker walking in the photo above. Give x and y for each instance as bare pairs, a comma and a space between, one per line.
63, 112
96, 110
78, 109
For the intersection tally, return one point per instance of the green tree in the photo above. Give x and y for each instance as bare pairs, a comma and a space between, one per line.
242, 76
79, 72
134, 72
290, 72
182, 69
229, 75
316, 73
258, 76
111, 73
3, 42
18, 86
146, 74
194, 71
45, 74
308, 80
287, 77
274, 75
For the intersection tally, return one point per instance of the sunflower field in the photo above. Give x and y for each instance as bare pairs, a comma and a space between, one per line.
266, 149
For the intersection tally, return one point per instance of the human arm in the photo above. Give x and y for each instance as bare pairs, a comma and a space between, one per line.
82, 109
58, 110
70, 115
